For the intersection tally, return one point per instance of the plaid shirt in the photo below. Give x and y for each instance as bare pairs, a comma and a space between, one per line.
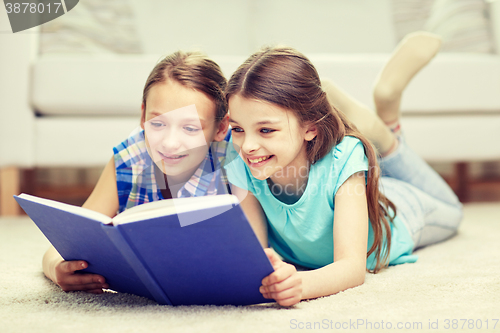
135, 177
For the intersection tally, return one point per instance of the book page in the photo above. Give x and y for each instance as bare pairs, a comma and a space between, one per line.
173, 206
69, 208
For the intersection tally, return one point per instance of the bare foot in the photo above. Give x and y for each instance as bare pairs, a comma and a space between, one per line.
410, 56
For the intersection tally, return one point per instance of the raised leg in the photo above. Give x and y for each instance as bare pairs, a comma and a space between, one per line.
9, 185
365, 120
410, 56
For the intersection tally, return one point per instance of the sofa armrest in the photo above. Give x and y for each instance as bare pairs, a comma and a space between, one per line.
16, 115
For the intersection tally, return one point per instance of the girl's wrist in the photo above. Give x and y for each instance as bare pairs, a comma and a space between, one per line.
305, 291
50, 260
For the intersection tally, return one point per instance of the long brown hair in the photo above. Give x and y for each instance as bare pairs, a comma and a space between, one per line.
285, 77
194, 70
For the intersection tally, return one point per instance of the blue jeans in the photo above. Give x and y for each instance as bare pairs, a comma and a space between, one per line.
424, 202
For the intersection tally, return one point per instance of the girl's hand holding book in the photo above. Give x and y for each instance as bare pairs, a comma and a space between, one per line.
284, 284
67, 277
65, 274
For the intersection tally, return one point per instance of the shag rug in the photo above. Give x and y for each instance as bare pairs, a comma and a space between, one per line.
454, 286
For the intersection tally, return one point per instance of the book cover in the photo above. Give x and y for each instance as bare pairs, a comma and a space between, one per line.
205, 255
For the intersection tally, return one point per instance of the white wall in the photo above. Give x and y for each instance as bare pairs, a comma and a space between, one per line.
240, 27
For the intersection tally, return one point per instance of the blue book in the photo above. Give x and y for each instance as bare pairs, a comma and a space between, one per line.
182, 251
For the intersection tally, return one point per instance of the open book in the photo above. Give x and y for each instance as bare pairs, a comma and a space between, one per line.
199, 250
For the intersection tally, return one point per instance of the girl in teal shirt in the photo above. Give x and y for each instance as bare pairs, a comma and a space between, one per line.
309, 180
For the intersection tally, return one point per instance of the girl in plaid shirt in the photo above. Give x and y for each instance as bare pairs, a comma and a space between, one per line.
176, 152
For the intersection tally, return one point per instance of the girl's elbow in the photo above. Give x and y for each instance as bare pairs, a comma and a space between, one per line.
359, 278
359, 275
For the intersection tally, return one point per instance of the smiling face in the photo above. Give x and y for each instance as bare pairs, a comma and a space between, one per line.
179, 125
272, 141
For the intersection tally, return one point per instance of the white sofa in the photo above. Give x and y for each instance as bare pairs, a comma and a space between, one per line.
71, 109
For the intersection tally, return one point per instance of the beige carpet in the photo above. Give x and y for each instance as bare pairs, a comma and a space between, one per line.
454, 280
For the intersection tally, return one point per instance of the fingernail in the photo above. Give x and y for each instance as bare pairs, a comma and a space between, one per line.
82, 264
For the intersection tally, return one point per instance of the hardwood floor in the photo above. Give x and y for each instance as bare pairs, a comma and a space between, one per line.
483, 190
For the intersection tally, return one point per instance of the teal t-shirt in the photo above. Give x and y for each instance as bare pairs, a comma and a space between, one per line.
302, 232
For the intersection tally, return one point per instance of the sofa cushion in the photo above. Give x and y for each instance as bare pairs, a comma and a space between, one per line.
463, 25
112, 85
100, 85
452, 82
93, 27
